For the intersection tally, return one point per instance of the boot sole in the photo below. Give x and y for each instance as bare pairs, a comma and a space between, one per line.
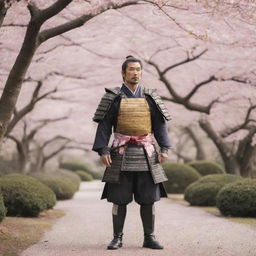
155, 248
114, 248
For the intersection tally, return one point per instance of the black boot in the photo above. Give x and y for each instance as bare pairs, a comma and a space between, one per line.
148, 220
116, 243
118, 217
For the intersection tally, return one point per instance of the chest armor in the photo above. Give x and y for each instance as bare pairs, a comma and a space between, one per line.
134, 117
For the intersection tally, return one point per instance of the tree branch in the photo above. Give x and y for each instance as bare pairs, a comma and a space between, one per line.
207, 127
199, 85
54, 9
243, 125
245, 143
18, 115
54, 153
34, 11
52, 32
188, 59
54, 139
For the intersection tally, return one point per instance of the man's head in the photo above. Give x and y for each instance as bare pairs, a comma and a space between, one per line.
131, 70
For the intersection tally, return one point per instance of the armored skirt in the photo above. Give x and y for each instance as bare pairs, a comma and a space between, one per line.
134, 172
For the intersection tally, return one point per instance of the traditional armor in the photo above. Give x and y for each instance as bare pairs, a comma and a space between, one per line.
129, 122
112, 93
134, 159
134, 117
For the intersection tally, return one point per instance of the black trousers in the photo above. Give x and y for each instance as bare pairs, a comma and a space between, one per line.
134, 183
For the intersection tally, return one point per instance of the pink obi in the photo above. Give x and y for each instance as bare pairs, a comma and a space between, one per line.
121, 141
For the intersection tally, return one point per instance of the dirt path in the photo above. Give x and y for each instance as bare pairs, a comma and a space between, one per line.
184, 231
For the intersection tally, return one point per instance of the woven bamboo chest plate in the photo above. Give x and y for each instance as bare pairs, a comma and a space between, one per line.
134, 117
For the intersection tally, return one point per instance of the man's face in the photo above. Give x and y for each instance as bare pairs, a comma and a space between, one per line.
133, 73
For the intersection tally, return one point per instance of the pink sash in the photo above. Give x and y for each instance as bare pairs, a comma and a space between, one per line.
121, 141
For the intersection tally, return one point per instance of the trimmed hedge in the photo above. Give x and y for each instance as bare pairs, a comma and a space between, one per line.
2, 209
238, 199
96, 174
74, 166
179, 177
62, 188
72, 176
25, 196
207, 167
204, 191
60, 174
7, 166
78, 166
220, 178
84, 175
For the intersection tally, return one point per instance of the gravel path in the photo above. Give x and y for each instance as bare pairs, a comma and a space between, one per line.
184, 231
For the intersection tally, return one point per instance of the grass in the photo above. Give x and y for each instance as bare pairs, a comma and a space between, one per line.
214, 211
17, 233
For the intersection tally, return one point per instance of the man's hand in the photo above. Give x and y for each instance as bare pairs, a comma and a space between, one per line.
162, 157
106, 160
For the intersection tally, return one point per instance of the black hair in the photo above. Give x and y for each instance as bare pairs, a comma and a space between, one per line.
130, 58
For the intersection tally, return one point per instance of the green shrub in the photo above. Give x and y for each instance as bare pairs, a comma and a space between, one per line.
207, 167
63, 188
238, 199
179, 177
84, 176
74, 166
220, 178
2, 208
78, 166
7, 166
61, 174
96, 174
203, 192
25, 196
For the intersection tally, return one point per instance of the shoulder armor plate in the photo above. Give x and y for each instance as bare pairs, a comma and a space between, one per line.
159, 102
105, 103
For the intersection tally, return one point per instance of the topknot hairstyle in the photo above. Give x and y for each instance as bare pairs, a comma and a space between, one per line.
130, 58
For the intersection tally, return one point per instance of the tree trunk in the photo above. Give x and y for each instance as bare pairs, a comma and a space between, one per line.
22, 150
3, 12
14, 82
37, 165
248, 162
231, 165
200, 154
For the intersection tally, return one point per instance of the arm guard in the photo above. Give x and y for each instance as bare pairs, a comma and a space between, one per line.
105, 103
159, 102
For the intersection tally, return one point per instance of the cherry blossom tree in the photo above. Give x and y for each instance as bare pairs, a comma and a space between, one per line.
216, 80
24, 146
236, 159
33, 39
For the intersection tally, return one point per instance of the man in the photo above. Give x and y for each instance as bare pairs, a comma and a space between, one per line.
132, 163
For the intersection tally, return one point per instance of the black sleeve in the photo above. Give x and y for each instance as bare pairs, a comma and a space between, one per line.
159, 126
104, 130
